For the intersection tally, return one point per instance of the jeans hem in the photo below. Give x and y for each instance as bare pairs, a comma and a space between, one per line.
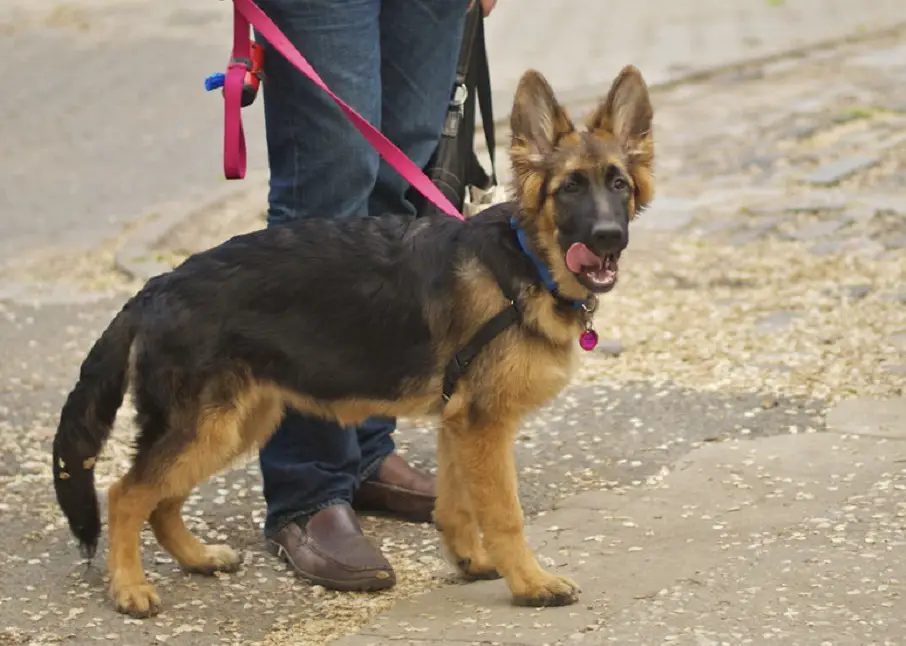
372, 467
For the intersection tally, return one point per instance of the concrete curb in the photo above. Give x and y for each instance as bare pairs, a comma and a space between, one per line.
137, 259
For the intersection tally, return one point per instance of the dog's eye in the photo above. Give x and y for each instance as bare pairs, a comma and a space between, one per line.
619, 184
572, 184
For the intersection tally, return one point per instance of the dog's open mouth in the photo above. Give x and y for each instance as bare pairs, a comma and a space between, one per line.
597, 273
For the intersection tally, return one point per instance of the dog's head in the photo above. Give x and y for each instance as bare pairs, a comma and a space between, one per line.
579, 189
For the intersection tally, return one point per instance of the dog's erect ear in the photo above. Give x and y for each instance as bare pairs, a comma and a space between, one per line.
626, 113
537, 121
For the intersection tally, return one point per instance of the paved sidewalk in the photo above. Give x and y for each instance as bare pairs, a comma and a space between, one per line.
785, 540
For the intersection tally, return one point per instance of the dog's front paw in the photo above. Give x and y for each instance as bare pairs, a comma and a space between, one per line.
477, 569
139, 600
215, 558
547, 590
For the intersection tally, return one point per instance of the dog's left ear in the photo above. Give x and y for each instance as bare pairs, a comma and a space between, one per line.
626, 113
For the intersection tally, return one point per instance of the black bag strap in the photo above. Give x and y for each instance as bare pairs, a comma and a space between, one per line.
483, 90
478, 73
471, 31
460, 93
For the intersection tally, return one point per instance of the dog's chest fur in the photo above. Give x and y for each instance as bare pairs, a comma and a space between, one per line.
532, 361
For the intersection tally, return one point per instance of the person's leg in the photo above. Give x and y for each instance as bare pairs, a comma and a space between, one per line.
320, 164
420, 43
321, 167
375, 444
308, 465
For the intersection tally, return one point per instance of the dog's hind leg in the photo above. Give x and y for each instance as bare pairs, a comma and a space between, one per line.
129, 503
191, 554
484, 452
221, 437
454, 516
164, 474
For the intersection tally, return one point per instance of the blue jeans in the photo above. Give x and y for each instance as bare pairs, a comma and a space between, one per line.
394, 62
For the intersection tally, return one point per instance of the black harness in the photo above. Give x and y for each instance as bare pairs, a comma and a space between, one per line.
510, 315
485, 334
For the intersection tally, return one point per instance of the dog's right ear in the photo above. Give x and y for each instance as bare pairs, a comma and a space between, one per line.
626, 113
537, 122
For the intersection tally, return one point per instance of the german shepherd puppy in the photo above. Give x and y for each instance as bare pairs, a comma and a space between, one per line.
351, 318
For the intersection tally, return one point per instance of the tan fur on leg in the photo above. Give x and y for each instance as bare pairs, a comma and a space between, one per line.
129, 506
191, 553
486, 461
455, 518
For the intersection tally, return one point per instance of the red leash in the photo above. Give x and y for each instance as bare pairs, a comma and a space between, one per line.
246, 13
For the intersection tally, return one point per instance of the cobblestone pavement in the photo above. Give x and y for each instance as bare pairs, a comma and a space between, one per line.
763, 287
104, 117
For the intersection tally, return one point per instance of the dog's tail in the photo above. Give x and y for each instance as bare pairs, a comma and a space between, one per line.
85, 424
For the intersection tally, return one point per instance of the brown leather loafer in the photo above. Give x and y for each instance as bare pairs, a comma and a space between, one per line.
398, 490
331, 550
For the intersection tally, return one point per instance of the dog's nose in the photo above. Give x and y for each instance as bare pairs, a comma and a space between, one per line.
608, 236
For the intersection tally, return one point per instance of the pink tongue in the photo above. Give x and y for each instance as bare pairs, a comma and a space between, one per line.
579, 257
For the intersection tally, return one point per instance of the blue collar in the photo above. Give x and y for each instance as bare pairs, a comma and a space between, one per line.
543, 270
